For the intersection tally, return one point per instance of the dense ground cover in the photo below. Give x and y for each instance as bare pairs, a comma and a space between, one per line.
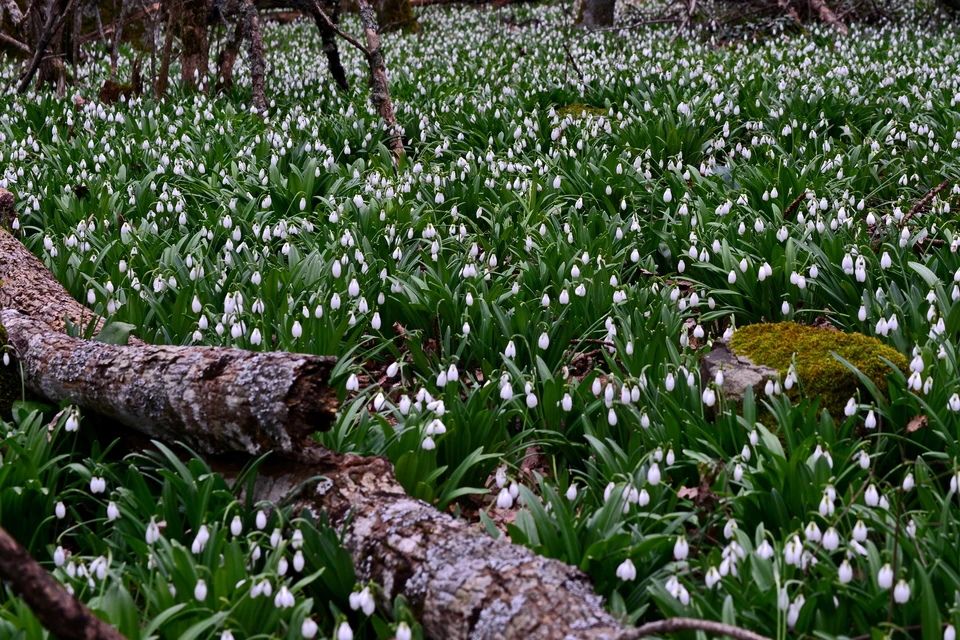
520, 310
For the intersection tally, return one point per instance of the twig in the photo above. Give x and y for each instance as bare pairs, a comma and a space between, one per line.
337, 30
13, 42
61, 613
793, 205
572, 61
924, 201
673, 625
605, 343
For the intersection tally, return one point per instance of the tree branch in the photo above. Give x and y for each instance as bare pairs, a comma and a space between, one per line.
58, 611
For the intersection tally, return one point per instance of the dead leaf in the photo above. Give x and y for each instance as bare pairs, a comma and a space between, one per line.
917, 423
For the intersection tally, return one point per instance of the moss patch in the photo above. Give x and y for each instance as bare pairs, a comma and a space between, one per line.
577, 110
822, 375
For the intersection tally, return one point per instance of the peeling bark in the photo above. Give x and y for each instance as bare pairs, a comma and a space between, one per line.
58, 611
216, 400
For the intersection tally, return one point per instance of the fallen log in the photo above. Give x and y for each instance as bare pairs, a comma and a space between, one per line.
27, 285
58, 611
216, 400
460, 582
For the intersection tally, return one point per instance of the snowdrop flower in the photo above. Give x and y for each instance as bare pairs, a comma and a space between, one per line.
871, 497
73, 422
765, 550
845, 572
59, 557
504, 499
153, 532
236, 526
344, 632
681, 548
908, 482
261, 520
284, 599
112, 511
544, 341
309, 628
572, 492
653, 474
712, 578
831, 539
626, 571
200, 591
403, 630
885, 577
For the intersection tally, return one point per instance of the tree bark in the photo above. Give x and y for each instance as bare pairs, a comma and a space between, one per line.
52, 23
379, 87
216, 400
163, 75
827, 16
117, 37
58, 611
460, 582
227, 60
194, 49
257, 59
595, 14
328, 38
27, 285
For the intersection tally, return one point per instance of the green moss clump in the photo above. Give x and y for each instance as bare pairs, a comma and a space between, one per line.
778, 345
578, 110
11, 388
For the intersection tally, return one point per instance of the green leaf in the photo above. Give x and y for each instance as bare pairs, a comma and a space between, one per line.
117, 333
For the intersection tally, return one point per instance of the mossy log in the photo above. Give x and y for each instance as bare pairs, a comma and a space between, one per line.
821, 375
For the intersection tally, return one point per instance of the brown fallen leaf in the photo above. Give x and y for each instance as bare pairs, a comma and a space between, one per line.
917, 423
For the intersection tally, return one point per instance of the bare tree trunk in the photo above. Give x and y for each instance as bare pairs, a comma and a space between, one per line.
58, 611
330, 49
257, 62
163, 75
75, 35
595, 14
194, 48
227, 60
52, 24
117, 37
379, 87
